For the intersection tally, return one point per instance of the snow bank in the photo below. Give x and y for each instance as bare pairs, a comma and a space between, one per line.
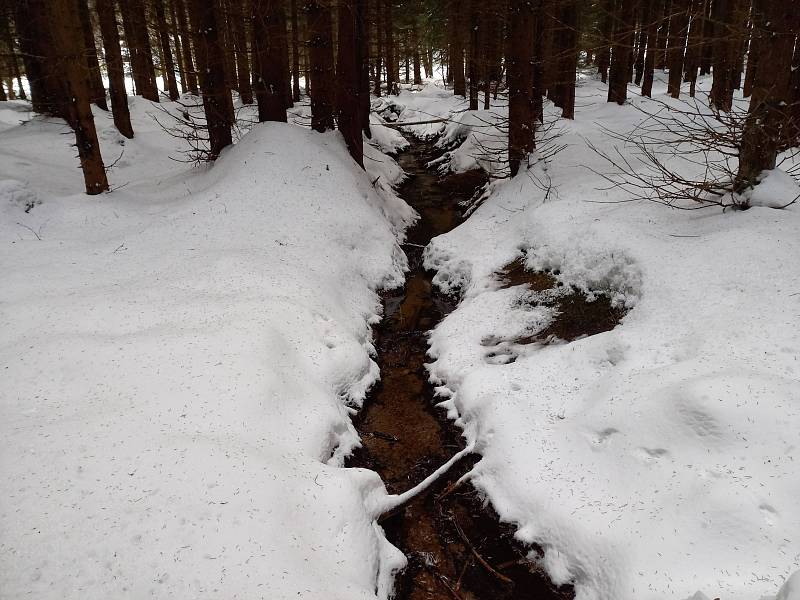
180, 360
658, 459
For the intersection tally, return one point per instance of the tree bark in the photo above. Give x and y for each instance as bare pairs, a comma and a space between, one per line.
652, 49
109, 31
768, 120
188, 60
678, 25
216, 96
269, 24
391, 58
73, 80
567, 48
522, 15
134, 20
320, 45
295, 53
456, 64
474, 27
98, 92
167, 64
606, 33
621, 51
348, 75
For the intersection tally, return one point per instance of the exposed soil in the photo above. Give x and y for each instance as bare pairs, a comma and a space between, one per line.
456, 546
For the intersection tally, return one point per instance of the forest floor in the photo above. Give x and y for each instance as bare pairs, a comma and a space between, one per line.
190, 361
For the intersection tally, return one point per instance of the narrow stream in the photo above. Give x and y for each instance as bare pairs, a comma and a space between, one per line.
456, 546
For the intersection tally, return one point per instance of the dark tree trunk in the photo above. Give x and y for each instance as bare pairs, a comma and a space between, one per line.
295, 53
644, 40
474, 27
210, 54
364, 99
320, 45
348, 74
167, 64
109, 30
379, 47
33, 29
621, 51
606, 33
764, 136
173, 25
721, 96
5, 35
417, 59
522, 16
269, 25
134, 20
707, 53
567, 48
98, 92
237, 16
456, 65
663, 35
391, 59
188, 61
678, 25
73, 80
652, 49
694, 46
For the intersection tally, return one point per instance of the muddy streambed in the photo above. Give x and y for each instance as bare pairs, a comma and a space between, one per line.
456, 546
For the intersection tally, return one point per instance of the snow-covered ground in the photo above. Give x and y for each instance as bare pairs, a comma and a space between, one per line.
656, 460
179, 359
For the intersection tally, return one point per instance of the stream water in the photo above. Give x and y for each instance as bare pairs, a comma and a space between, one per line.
456, 546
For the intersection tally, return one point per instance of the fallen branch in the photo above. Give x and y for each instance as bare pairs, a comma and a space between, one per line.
393, 502
403, 124
481, 560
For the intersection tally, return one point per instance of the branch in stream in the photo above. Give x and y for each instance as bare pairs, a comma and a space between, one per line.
395, 501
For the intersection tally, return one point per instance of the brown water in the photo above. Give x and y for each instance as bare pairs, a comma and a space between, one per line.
456, 546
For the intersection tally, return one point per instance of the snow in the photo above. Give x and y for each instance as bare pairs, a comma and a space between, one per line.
656, 460
180, 361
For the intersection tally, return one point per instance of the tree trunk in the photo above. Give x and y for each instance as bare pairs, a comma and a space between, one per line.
652, 49
678, 25
663, 35
348, 74
33, 29
320, 45
775, 24
522, 16
269, 24
295, 53
134, 20
188, 61
621, 52
167, 64
474, 26
5, 34
567, 48
379, 47
109, 30
456, 64
416, 53
210, 54
391, 59
721, 96
644, 40
73, 79
97, 91
606, 33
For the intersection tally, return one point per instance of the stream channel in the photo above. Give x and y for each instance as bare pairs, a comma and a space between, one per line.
456, 546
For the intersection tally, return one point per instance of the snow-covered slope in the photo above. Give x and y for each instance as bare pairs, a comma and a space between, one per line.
177, 362
660, 458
